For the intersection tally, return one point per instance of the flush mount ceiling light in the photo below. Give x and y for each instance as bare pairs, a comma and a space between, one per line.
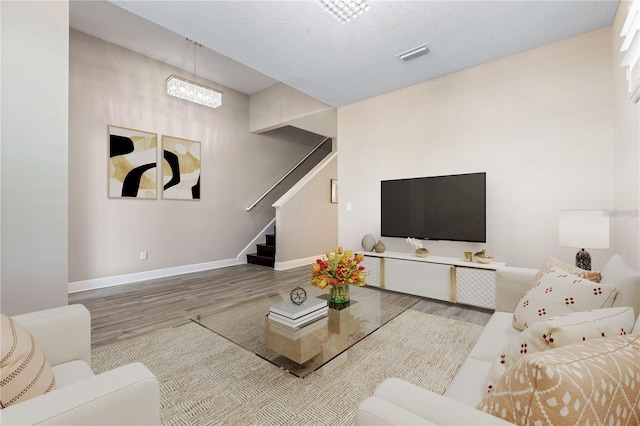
414, 53
190, 90
345, 10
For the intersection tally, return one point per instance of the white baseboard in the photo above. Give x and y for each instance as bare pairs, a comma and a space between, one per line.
283, 266
78, 286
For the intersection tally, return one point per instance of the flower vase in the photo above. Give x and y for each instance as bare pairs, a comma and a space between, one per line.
339, 294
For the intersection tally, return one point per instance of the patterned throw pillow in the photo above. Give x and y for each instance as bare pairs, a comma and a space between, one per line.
552, 264
594, 382
557, 293
24, 371
561, 330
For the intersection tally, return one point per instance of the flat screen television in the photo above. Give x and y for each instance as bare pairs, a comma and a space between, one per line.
451, 208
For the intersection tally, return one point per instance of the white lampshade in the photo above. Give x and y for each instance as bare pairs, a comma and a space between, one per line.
584, 229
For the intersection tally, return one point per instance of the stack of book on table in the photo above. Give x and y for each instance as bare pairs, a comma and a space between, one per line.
292, 315
276, 327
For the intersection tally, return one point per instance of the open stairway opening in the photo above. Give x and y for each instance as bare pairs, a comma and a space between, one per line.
266, 252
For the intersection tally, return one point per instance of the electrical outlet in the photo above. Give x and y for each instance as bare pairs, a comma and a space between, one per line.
143, 255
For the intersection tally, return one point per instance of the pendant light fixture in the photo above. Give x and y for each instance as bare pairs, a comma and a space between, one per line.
192, 91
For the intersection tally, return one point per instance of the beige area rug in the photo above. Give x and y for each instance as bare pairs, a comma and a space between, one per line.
206, 380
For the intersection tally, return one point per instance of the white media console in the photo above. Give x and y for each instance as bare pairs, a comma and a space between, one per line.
442, 278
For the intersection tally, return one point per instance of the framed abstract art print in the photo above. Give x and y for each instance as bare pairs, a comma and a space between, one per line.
180, 169
132, 163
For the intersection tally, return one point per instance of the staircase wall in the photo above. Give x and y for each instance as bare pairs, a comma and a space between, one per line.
306, 220
281, 105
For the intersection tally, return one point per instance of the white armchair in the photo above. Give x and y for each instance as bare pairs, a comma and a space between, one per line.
129, 395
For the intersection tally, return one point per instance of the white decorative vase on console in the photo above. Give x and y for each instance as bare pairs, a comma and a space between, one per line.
368, 242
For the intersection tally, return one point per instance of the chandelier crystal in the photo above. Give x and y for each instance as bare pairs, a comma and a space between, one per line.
345, 10
193, 92
189, 90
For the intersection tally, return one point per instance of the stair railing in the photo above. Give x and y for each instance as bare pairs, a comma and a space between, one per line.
286, 175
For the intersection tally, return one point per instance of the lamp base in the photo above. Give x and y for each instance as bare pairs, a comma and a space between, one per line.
583, 260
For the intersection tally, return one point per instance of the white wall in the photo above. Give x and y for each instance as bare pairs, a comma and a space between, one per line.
627, 155
540, 124
34, 142
0, 160
113, 85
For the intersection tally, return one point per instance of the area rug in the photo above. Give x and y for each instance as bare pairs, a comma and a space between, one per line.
207, 380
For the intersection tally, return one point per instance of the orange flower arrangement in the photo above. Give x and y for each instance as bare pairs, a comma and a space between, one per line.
338, 270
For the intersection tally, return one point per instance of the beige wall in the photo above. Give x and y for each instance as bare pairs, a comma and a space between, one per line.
35, 59
112, 85
307, 223
280, 104
539, 123
627, 155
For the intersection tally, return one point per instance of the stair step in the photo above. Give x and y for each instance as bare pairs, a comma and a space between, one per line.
261, 260
271, 239
266, 250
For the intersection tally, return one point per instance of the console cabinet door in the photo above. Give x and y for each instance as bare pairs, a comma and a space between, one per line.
431, 280
476, 287
375, 267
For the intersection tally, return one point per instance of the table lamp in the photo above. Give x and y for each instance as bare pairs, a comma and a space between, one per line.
584, 229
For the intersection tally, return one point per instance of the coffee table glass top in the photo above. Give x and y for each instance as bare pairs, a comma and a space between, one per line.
305, 349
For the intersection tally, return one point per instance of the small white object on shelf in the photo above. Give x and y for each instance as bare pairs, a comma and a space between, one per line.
415, 243
420, 250
292, 311
292, 315
301, 321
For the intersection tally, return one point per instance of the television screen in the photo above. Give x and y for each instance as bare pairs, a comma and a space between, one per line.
449, 208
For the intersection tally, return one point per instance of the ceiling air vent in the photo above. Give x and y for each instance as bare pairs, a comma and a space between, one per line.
414, 53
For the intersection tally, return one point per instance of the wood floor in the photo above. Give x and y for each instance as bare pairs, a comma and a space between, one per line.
122, 312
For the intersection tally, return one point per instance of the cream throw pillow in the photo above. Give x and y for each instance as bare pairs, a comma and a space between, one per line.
594, 382
552, 264
561, 330
557, 293
24, 371
626, 280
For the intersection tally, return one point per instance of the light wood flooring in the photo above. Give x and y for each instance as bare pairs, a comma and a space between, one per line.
122, 312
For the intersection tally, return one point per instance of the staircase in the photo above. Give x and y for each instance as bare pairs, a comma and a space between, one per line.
266, 255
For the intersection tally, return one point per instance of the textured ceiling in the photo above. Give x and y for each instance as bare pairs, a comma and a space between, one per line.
118, 26
301, 45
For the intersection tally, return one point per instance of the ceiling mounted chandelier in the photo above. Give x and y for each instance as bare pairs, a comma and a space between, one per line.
345, 10
192, 91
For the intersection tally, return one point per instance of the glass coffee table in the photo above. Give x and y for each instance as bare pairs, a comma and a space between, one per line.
303, 350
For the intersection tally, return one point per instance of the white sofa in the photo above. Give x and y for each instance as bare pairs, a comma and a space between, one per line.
396, 401
128, 395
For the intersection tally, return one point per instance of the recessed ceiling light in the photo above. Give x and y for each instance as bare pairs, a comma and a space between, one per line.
414, 53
